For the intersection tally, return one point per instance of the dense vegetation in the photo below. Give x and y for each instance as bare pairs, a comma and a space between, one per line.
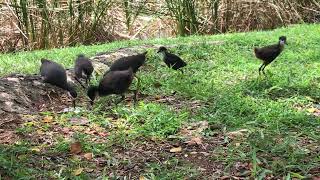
274, 118
45, 24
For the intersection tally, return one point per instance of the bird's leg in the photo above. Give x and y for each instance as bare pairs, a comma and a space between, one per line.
88, 79
135, 96
79, 82
137, 90
260, 68
74, 103
263, 69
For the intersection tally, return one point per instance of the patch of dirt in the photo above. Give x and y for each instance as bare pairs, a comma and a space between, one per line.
132, 162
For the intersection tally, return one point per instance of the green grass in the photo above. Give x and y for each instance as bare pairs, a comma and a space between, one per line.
283, 140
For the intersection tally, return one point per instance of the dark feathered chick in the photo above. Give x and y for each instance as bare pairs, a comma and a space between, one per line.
113, 82
269, 53
83, 69
53, 73
124, 63
173, 61
134, 62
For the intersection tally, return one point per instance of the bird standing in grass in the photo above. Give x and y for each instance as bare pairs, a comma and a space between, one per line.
172, 61
83, 69
134, 62
113, 82
269, 53
53, 73
124, 63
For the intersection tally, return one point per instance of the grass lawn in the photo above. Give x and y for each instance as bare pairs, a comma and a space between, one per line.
258, 127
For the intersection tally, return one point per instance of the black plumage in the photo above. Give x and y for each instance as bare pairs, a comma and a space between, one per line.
83, 69
53, 73
113, 82
173, 61
269, 53
124, 63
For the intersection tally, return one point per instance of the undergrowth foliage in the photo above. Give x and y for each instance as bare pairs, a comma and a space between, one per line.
47, 24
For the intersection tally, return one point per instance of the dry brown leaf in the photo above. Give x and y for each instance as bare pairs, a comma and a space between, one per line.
77, 172
88, 156
237, 134
79, 121
89, 170
103, 134
195, 141
176, 150
312, 110
142, 178
75, 148
36, 149
47, 119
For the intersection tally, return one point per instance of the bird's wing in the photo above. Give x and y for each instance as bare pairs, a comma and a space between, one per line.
172, 58
268, 51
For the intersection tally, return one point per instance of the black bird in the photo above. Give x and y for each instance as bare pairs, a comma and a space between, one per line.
53, 73
172, 61
269, 53
113, 82
124, 63
83, 69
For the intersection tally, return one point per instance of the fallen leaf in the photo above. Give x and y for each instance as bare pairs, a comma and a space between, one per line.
79, 121
176, 150
103, 134
141, 178
195, 141
77, 172
89, 170
65, 130
237, 134
36, 149
312, 110
30, 123
88, 156
39, 131
75, 148
47, 119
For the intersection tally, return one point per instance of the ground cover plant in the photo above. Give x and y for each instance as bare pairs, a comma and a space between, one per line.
217, 119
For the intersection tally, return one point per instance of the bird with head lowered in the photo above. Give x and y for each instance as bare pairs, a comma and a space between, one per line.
113, 82
53, 73
83, 69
